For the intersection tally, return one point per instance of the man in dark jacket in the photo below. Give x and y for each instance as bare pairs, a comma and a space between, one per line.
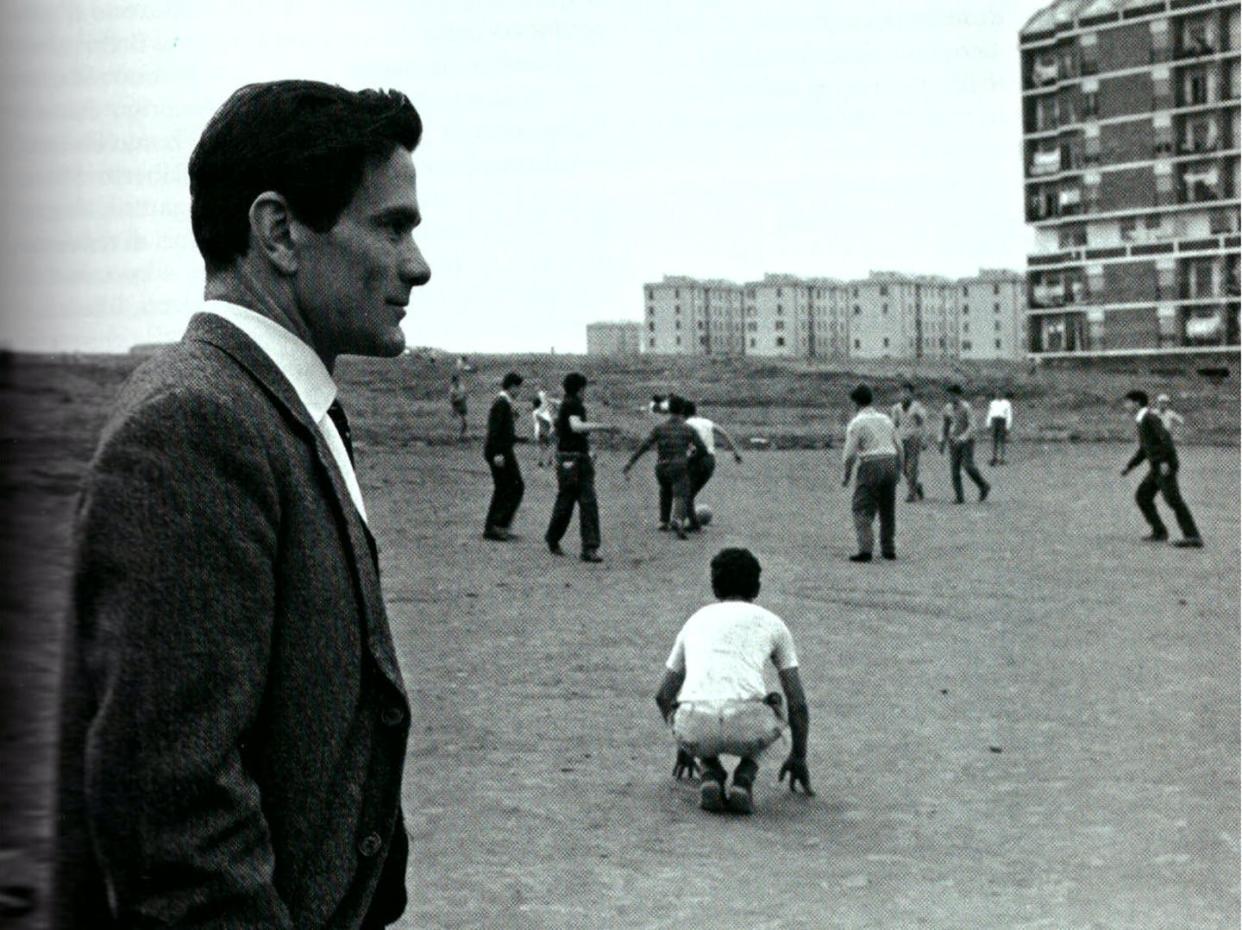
1156, 447
507, 484
233, 721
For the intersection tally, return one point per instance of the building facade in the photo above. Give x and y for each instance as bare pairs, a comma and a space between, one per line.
886, 315
1131, 141
621, 338
688, 316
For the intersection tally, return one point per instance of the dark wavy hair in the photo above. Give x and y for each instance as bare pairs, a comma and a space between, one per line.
305, 140
735, 574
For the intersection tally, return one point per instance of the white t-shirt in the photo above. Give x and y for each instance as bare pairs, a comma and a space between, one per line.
706, 430
1001, 409
723, 648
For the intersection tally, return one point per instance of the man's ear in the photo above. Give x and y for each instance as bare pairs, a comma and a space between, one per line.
271, 229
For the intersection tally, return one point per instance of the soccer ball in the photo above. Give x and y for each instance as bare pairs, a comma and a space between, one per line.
703, 513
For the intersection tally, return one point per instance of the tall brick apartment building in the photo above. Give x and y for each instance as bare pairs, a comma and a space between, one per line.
1131, 131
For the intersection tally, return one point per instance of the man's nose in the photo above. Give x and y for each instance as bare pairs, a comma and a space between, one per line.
414, 269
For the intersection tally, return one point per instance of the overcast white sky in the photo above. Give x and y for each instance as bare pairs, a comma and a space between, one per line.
572, 151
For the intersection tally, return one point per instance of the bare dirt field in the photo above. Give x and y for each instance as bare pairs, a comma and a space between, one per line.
1030, 720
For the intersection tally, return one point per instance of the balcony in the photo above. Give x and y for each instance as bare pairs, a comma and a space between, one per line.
1044, 163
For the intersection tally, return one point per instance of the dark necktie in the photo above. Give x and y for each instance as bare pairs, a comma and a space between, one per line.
337, 413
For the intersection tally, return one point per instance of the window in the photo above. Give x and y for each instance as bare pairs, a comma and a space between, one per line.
998, 343
651, 311
857, 310
883, 290
965, 291
752, 343
997, 326
779, 309
966, 326
884, 309
965, 309
779, 324
702, 340
778, 292
857, 344
995, 288
996, 308
677, 308
651, 343
677, 292
966, 345
679, 340
886, 342
651, 326
650, 294
780, 340
677, 324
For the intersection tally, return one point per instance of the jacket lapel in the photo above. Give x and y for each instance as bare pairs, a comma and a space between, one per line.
360, 544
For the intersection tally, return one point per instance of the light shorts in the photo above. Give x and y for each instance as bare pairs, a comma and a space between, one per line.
739, 727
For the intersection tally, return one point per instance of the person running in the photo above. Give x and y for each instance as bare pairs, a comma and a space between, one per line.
507, 484
673, 440
1168, 416
575, 472
871, 441
713, 692
909, 416
702, 467
457, 400
1000, 422
1157, 449
958, 434
543, 423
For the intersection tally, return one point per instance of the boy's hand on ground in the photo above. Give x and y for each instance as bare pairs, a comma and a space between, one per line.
685, 766
798, 773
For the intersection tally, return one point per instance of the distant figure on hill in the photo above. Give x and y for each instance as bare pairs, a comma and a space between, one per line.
1168, 416
958, 434
1157, 449
1000, 422
463, 365
673, 439
575, 472
543, 424
457, 400
507, 484
714, 696
909, 416
871, 442
702, 467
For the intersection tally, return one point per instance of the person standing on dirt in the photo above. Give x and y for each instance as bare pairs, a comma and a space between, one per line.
959, 435
575, 472
909, 416
713, 693
507, 484
1157, 449
871, 442
457, 400
673, 440
1000, 422
702, 467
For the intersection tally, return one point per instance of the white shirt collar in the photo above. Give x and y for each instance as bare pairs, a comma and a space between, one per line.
506, 395
296, 360
1138, 418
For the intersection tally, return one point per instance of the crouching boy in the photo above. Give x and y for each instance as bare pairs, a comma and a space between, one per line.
713, 693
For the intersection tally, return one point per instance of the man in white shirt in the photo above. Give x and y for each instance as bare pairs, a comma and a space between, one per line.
227, 632
702, 467
714, 694
1171, 419
1000, 422
871, 442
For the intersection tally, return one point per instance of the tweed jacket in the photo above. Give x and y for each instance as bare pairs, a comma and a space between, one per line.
233, 723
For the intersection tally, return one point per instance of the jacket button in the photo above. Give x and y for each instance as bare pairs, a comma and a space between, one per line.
392, 716
370, 845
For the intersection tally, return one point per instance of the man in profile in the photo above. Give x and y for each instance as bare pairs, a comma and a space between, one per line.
871, 443
909, 416
958, 434
233, 718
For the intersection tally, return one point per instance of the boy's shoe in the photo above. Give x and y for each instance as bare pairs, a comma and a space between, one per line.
711, 795
1156, 537
1190, 542
740, 800
861, 557
555, 548
662, 527
590, 555
983, 492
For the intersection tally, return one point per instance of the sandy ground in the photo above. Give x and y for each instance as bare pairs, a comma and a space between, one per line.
1030, 720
